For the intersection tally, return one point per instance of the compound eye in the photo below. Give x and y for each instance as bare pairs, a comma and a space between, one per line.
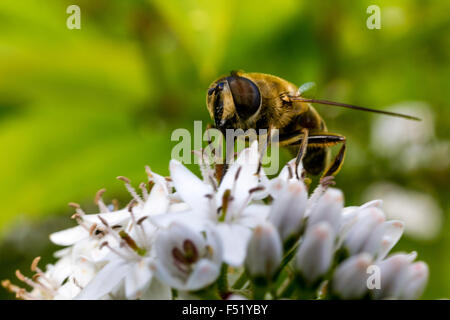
246, 96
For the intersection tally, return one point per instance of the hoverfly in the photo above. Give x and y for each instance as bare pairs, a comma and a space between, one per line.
262, 101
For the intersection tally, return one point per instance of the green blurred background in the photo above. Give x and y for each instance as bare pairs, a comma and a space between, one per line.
80, 107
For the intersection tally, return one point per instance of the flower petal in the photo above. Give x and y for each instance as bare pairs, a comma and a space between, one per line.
157, 202
191, 189
315, 254
195, 220
138, 279
105, 281
234, 240
253, 215
119, 217
247, 165
69, 236
384, 238
204, 273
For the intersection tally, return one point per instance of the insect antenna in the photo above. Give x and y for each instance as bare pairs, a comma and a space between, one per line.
350, 106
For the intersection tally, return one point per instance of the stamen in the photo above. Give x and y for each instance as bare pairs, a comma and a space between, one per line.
130, 210
256, 189
34, 284
219, 171
77, 208
205, 167
130, 189
34, 264
250, 192
226, 198
109, 229
92, 229
120, 254
236, 177
78, 218
115, 204
149, 172
179, 256
20, 292
99, 201
75, 282
40, 274
143, 188
141, 220
290, 173
131, 243
190, 251
141, 231
103, 221
213, 183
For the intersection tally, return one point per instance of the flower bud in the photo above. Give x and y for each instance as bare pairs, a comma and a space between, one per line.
315, 254
288, 209
350, 277
384, 238
367, 221
414, 280
328, 208
264, 252
393, 274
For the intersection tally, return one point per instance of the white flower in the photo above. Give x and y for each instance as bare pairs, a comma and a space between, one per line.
396, 274
188, 260
227, 207
316, 251
327, 209
414, 280
350, 277
264, 252
366, 221
127, 265
183, 233
288, 208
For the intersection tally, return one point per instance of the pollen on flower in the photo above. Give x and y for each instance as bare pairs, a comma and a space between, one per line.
34, 264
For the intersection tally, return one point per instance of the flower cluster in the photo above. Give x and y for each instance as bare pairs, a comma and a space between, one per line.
242, 235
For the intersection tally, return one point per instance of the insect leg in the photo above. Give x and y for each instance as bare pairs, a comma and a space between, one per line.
301, 150
327, 140
324, 140
298, 137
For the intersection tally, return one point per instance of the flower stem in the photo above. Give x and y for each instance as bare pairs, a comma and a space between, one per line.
289, 290
222, 282
259, 291
241, 281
